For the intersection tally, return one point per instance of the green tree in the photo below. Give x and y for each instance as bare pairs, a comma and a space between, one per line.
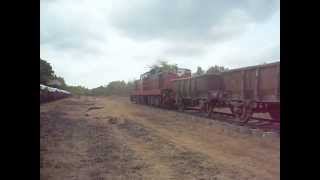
119, 88
163, 66
78, 90
46, 72
216, 69
129, 87
63, 83
98, 91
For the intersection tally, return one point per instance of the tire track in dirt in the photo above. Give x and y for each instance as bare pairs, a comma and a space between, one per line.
125, 141
175, 162
153, 169
239, 156
253, 157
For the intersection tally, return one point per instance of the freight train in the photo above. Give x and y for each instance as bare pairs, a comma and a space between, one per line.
49, 94
244, 91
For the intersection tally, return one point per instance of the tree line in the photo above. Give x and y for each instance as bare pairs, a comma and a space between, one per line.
49, 78
120, 88
211, 70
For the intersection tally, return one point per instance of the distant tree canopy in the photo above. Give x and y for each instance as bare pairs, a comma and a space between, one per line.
48, 77
120, 88
216, 69
61, 80
78, 90
163, 66
46, 72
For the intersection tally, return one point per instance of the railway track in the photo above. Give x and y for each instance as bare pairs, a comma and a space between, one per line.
253, 123
262, 124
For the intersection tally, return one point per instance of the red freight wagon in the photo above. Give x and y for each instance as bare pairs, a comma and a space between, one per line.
245, 91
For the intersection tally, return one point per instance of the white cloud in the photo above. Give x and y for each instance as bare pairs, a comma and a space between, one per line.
93, 42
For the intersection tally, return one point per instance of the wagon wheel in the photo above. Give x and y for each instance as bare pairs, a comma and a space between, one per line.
171, 104
241, 114
204, 107
158, 101
181, 108
246, 115
211, 107
209, 111
237, 112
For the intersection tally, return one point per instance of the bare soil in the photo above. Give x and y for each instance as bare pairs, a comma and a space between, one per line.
111, 138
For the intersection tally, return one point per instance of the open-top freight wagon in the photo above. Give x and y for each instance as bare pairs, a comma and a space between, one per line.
244, 91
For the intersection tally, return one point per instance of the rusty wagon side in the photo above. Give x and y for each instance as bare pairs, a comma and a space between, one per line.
245, 91
254, 89
193, 92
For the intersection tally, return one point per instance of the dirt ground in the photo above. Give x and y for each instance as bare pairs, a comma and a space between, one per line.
110, 138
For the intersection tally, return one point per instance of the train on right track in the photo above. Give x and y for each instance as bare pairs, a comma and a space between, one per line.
244, 91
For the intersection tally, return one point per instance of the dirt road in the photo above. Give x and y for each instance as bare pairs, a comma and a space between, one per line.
110, 138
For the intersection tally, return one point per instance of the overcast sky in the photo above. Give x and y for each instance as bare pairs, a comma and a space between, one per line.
93, 42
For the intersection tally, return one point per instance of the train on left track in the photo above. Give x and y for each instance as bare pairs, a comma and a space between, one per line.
244, 91
49, 93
